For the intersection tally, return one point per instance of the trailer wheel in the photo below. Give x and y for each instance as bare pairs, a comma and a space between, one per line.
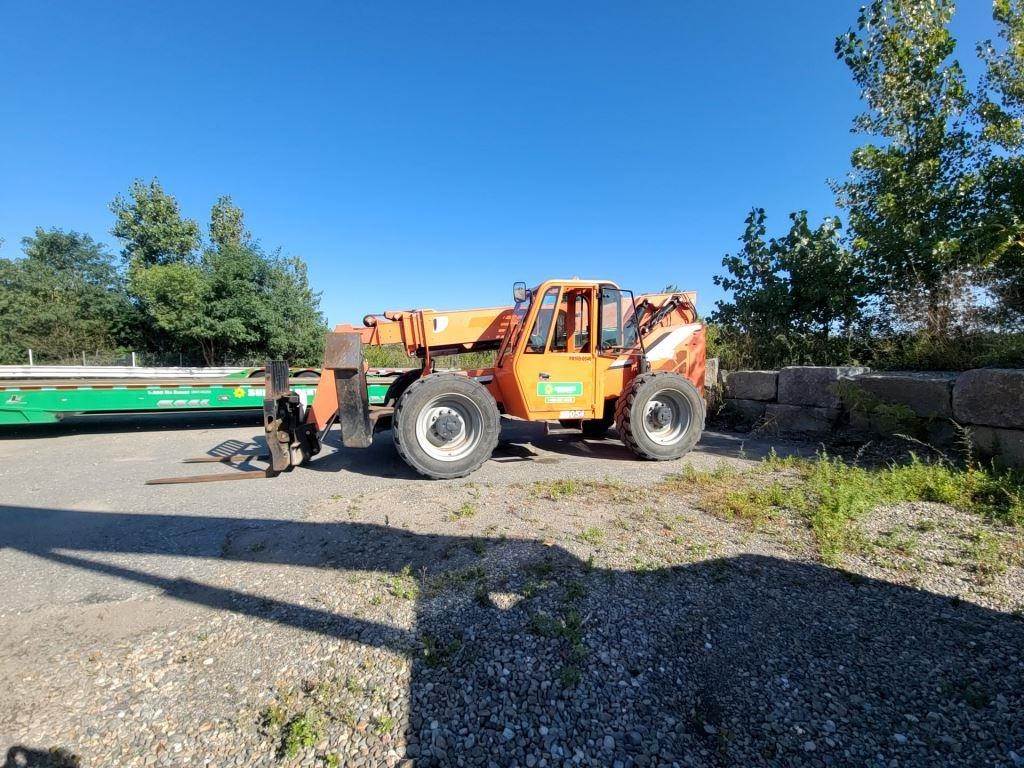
445, 425
660, 416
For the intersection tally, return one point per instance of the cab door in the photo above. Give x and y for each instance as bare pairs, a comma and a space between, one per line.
556, 363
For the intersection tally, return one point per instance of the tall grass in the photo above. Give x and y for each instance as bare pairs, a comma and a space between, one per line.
832, 495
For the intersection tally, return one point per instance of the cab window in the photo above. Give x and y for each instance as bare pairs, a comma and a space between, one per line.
572, 323
542, 325
611, 311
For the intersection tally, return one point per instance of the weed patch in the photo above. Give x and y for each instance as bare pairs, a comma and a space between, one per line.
437, 652
302, 732
404, 585
383, 724
557, 489
986, 555
593, 536
464, 512
831, 495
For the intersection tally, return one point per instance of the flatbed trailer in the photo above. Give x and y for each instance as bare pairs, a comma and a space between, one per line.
45, 401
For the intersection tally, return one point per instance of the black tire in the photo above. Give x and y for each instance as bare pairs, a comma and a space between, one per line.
642, 408
464, 408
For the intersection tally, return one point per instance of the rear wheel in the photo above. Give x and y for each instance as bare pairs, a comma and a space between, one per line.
660, 416
445, 425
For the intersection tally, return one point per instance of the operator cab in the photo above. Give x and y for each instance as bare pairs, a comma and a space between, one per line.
564, 335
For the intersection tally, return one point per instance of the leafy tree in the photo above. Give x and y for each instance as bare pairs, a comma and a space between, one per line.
175, 299
797, 298
908, 196
227, 226
150, 224
65, 296
998, 235
233, 302
295, 330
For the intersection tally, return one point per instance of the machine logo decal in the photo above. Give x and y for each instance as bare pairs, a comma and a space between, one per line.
559, 391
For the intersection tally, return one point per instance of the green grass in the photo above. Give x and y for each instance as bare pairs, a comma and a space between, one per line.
273, 717
570, 676
404, 585
899, 540
575, 590
593, 535
437, 653
383, 724
986, 555
832, 495
558, 489
467, 510
302, 732
455, 579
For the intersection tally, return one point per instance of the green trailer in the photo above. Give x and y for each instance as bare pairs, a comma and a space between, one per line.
40, 401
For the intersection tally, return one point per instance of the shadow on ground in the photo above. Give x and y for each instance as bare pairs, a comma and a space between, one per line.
742, 660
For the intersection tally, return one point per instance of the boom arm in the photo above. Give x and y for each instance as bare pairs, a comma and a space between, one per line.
431, 332
422, 333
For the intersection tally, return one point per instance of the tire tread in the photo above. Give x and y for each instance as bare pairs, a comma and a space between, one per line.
488, 440
624, 411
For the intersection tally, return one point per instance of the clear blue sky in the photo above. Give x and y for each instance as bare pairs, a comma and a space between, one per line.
428, 154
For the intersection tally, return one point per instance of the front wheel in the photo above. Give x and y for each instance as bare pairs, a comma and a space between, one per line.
445, 425
660, 416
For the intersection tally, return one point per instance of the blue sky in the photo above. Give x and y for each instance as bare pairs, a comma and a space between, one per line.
429, 154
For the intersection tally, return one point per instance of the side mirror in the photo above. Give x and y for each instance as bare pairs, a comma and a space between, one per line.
519, 292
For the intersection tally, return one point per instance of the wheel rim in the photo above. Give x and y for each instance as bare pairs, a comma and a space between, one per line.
667, 417
449, 427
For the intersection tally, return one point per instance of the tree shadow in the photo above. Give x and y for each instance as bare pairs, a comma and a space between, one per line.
523, 651
22, 757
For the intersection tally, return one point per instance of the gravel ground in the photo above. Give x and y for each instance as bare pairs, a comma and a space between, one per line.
560, 607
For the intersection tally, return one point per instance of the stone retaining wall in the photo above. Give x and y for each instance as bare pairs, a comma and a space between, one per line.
986, 404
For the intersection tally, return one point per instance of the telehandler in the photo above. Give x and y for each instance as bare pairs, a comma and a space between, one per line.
584, 353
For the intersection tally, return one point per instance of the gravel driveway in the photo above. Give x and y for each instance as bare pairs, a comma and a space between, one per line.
558, 608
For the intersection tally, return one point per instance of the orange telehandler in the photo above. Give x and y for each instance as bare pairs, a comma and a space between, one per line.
584, 353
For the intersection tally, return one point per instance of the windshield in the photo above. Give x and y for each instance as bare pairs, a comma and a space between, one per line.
519, 312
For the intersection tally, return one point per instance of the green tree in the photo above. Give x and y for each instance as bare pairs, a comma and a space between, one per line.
150, 225
794, 299
907, 195
296, 328
227, 226
998, 233
233, 303
175, 298
65, 296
